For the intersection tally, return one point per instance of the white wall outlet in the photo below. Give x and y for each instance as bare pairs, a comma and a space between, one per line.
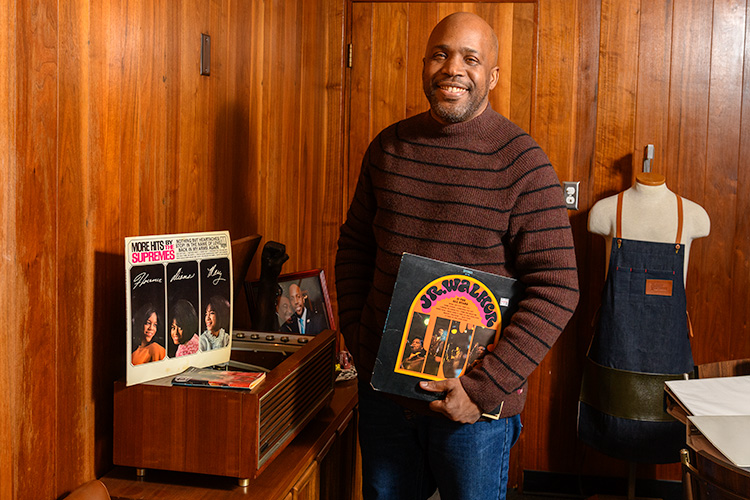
571, 194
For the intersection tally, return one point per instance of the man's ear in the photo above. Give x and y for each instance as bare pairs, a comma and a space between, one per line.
494, 76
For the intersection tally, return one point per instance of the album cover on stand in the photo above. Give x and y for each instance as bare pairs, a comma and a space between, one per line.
179, 303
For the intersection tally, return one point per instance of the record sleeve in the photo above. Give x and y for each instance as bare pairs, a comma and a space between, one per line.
442, 319
179, 298
228, 379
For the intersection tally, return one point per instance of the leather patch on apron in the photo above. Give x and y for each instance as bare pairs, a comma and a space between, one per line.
659, 287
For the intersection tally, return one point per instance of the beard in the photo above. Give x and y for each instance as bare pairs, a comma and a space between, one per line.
456, 111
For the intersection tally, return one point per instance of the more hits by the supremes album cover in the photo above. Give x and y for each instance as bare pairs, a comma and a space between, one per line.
441, 321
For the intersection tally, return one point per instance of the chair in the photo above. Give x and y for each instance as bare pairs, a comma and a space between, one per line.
704, 477
733, 368
93, 490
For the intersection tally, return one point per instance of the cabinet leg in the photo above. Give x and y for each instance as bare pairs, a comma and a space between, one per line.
243, 481
140, 472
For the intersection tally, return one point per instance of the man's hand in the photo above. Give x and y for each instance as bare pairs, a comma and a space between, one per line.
456, 405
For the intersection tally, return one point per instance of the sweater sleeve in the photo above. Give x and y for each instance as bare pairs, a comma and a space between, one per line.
539, 247
355, 259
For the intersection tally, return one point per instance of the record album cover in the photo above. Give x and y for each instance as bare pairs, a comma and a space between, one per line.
442, 319
208, 377
178, 302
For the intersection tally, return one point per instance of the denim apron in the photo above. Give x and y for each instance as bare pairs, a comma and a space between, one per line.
641, 341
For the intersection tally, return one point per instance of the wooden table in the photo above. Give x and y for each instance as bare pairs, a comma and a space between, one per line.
319, 463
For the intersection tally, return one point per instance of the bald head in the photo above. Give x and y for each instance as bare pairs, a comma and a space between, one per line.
470, 22
460, 67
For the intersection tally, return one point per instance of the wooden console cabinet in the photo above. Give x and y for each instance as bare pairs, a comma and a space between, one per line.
221, 431
320, 463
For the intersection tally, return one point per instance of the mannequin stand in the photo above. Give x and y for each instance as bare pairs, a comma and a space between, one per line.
631, 488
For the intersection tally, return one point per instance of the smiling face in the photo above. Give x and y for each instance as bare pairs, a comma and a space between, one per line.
284, 309
149, 327
210, 319
298, 302
176, 332
459, 68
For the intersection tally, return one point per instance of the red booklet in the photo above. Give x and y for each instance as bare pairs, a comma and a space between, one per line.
207, 377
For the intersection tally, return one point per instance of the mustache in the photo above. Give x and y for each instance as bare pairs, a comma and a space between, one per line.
453, 80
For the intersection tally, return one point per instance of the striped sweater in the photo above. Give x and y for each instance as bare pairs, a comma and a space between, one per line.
480, 194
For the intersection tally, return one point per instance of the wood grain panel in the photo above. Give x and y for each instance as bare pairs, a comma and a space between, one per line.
322, 74
106, 222
242, 114
9, 280
296, 142
360, 108
687, 142
740, 318
422, 18
75, 307
617, 88
688, 99
33, 236
552, 113
523, 50
654, 65
713, 256
501, 18
551, 123
389, 64
590, 257
285, 125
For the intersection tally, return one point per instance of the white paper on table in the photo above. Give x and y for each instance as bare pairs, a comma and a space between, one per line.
713, 396
730, 434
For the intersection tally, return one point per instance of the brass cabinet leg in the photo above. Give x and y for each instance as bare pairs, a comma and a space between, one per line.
243, 481
140, 472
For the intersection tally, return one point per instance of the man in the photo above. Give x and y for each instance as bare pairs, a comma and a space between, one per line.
459, 183
284, 313
303, 321
414, 356
435, 354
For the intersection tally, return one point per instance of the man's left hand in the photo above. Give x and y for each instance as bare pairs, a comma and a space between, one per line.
456, 405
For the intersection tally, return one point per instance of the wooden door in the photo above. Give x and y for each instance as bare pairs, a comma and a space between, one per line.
388, 43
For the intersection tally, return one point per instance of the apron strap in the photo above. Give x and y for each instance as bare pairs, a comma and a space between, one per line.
619, 216
679, 219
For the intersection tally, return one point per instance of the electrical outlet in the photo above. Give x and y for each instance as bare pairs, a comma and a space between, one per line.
571, 194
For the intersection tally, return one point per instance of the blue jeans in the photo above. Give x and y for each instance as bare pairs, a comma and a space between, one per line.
408, 456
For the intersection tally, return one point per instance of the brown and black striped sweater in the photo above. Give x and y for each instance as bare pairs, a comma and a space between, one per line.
480, 194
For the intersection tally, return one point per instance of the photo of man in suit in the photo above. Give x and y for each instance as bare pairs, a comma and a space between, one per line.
304, 320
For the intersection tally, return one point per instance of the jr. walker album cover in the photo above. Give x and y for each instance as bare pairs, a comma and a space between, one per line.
442, 319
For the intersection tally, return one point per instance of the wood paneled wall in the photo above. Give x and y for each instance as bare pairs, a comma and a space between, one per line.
612, 77
107, 130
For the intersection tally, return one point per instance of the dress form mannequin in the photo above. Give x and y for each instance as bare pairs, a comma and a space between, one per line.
649, 214
642, 333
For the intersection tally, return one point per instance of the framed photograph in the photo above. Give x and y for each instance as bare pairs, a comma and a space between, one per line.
302, 305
